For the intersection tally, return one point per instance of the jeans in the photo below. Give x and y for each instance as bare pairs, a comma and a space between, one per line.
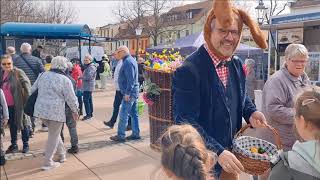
14, 129
116, 106
87, 100
128, 107
72, 127
79, 96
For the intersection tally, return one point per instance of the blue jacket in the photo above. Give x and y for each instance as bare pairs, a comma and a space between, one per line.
197, 94
128, 77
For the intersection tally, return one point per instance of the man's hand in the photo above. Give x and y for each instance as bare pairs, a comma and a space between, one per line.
230, 163
257, 120
127, 98
75, 116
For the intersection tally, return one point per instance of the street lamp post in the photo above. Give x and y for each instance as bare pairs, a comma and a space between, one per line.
138, 34
261, 11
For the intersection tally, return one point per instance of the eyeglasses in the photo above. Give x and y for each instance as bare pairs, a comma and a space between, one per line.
5, 64
225, 32
299, 61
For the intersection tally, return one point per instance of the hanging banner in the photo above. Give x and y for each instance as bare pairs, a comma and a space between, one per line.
287, 36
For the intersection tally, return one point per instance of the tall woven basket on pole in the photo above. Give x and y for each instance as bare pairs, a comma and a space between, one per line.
160, 113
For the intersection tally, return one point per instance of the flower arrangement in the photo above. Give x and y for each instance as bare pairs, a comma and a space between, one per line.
151, 92
166, 61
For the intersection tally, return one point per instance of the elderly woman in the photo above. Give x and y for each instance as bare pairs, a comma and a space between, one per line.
54, 90
88, 85
280, 92
16, 87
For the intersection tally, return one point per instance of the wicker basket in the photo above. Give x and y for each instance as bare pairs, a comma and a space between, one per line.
160, 113
253, 163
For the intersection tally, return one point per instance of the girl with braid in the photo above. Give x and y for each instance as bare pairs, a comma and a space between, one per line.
303, 161
184, 155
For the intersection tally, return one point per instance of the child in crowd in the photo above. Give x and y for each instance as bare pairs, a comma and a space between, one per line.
4, 116
303, 161
184, 155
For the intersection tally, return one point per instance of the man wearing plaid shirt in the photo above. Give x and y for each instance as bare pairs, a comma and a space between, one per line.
209, 93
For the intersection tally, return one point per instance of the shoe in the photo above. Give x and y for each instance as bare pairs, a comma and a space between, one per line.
62, 158
31, 134
2, 160
25, 149
117, 139
44, 129
54, 165
86, 118
128, 128
73, 150
12, 149
109, 123
131, 137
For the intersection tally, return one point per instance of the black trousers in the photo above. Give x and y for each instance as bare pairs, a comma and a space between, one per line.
116, 106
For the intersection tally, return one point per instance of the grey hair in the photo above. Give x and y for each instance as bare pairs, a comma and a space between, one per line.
296, 50
11, 50
125, 49
25, 48
69, 65
59, 62
89, 57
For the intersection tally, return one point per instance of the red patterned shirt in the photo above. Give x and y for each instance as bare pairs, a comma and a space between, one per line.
222, 71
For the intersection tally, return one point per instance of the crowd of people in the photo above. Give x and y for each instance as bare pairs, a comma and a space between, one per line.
210, 102
63, 87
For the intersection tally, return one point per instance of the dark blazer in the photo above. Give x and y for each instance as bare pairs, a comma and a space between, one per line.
197, 92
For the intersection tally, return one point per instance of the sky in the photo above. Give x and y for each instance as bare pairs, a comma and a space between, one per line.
100, 13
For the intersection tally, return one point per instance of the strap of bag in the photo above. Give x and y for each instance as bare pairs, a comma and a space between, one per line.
33, 70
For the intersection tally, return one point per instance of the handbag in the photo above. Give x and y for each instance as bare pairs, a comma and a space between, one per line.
29, 106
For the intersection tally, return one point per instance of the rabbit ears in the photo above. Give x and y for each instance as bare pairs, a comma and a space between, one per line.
225, 13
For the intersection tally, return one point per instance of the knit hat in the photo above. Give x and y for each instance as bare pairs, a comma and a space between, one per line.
225, 14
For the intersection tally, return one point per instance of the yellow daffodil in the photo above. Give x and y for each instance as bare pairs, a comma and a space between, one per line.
156, 66
164, 51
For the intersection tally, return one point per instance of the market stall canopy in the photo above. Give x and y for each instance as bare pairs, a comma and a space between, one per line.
47, 31
189, 44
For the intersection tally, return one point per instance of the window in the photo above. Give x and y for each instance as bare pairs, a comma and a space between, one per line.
178, 34
142, 44
111, 46
133, 44
161, 39
108, 33
189, 15
111, 32
187, 32
127, 43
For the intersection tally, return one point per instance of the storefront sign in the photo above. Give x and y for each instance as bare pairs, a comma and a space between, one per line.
287, 36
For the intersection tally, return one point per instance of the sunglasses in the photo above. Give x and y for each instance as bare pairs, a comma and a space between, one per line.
5, 64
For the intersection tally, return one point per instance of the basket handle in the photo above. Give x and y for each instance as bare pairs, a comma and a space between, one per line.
273, 130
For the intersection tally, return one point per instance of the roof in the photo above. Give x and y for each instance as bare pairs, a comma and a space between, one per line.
199, 5
305, 3
199, 10
44, 30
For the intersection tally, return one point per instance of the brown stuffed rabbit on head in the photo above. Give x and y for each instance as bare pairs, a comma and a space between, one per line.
223, 29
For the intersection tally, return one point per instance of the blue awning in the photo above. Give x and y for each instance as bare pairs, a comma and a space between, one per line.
47, 31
